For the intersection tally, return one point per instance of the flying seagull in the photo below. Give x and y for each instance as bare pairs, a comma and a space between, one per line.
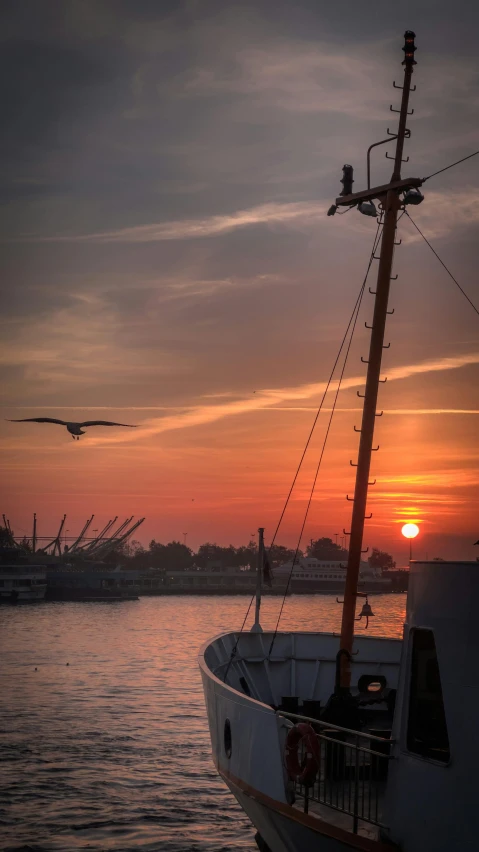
75, 429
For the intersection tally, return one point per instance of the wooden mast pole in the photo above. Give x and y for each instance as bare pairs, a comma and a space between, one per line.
259, 577
391, 204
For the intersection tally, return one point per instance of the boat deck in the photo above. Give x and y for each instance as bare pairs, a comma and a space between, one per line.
349, 788
342, 819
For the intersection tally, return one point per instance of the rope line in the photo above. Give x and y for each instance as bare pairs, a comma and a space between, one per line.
442, 262
235, 646
450, 167
352, 319
375, 245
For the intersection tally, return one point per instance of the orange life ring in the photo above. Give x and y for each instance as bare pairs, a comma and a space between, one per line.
305, 772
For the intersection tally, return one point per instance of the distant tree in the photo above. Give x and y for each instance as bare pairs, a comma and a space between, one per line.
117, 555
212, 555
134, 547
326, 549
209, 554
5, 537
278, 554
138, 557
179, 556
173, 556
156, 553
247, 555
381, 559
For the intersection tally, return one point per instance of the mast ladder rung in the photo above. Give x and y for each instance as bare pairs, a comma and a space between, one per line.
412, 89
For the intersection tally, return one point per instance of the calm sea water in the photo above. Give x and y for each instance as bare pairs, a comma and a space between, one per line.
104, 743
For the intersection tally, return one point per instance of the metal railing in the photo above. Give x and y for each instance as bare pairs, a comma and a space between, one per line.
352, 772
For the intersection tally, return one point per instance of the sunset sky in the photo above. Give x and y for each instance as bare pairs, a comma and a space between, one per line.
167, 261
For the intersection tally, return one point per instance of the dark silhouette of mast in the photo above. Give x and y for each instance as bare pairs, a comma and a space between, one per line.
391, 202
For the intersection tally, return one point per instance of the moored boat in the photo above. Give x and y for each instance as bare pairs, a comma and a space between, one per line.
95, 582
311, 576
22, 583
396, 781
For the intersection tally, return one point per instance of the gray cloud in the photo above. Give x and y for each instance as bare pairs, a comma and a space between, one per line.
184, 153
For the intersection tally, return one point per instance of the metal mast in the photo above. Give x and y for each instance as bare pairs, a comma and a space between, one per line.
388, 196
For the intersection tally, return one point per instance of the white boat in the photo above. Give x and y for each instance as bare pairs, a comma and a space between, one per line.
339, 742
22, 583
406, 790
310, 575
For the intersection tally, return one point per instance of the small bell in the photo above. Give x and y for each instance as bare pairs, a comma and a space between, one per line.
367, 611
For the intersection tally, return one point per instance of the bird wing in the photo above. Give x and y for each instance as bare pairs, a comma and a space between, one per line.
104, 423
39, 420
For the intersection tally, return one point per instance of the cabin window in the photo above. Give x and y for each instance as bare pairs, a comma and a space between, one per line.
427, 729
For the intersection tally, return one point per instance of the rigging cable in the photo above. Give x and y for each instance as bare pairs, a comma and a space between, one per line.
323, 448
375, 245
352, 319
450, 167
442, 262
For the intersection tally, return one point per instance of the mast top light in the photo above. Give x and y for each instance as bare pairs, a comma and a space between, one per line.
409, 48
367, 208
413, 196
347, 180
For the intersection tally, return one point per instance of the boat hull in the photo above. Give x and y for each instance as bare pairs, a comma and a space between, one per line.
86, 595
286, 829
248, 737
30, 595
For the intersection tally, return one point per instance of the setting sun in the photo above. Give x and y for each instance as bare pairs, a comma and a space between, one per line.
410, 530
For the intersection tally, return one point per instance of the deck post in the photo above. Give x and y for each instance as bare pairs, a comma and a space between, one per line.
256, 628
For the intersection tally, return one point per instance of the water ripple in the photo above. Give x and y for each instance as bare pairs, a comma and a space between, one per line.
111, 752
